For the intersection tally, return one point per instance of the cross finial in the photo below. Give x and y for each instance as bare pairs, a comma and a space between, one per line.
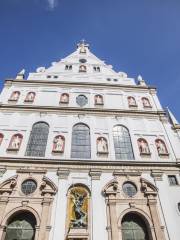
83, 43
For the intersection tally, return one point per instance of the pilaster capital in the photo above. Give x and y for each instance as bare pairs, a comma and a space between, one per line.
63, 173
157, 175
95, 174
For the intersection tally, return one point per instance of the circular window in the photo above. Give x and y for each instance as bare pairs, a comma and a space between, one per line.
28, 186
82, 60
129, 189
81, 100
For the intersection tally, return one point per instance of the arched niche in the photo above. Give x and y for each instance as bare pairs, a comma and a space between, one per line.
78, 212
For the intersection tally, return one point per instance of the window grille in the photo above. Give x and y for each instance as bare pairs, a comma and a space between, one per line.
38, 140
81, 143
122, 143
21, 227
129, 189
29, 186
134, 228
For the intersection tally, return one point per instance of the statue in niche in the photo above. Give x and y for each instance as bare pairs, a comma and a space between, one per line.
98, 100
102, 146
58, 144
80, 216
30, 97
161, 147
131, 101
64, 98
82, 68
82, 48
16, 142
1, 138
146, 102
143, 146
15, 96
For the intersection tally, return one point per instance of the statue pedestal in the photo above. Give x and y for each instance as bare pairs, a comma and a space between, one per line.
78, 233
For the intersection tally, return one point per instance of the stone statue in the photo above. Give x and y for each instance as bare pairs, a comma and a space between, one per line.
131, 101
145, 102
102, 146
161, 147
16, 141
82, 68
64, 98
58, 144
15, 96
143, 146
99, 99
80, 220
30, 96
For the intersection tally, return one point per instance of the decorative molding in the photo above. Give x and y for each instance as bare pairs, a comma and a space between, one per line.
31, 170
124, 172
95, 174
157, 175
63, 173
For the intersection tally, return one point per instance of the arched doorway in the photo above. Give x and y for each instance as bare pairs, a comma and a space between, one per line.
21, 227
134, 228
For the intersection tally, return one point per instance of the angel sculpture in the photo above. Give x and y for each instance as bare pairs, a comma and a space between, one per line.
80, 216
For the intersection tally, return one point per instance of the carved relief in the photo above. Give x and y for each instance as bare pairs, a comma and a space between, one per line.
15, 142
58, 144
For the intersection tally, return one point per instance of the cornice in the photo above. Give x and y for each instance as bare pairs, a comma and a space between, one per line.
78, 84
77, 110
79, 163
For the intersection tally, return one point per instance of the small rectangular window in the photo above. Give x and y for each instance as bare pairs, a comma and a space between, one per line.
172, 180
68, 67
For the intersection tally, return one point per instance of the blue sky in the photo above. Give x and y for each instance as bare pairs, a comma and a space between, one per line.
135, 36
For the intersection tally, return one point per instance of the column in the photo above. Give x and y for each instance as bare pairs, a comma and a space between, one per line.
61, 205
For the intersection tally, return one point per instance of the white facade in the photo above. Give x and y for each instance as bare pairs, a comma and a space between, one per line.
103, 174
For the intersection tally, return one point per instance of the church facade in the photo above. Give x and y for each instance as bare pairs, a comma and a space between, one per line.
87, 153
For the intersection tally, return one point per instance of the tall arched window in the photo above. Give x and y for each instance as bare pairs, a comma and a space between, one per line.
81, 143
38, 140
134, 228
122, 143
21, 226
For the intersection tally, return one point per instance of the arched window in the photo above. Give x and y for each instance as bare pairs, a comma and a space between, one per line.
15, 96
134, 228
143, 146
30, 97
15, 142
21, 226
161, 147
81, 143
38, 140
122, 143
